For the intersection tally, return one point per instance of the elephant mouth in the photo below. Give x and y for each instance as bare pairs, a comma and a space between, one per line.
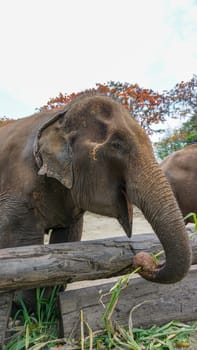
125, 212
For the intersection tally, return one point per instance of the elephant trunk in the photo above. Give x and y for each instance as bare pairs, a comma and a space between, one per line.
153, 195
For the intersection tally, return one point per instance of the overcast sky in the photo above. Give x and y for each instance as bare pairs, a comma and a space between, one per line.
52, 46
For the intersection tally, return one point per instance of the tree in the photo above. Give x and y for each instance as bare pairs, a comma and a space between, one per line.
5, 120
146, 106
186, 135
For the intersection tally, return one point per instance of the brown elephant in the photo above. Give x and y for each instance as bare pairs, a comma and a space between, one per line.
180, 168
89, 155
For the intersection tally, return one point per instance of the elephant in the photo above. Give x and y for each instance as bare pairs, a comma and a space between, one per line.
88, 155
180, 168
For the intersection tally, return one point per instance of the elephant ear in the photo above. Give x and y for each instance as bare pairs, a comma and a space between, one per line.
53, 151
58, 166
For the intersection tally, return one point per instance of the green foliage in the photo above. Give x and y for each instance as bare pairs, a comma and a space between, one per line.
194, 216
5, 120
39, 330
172, 335
186, 135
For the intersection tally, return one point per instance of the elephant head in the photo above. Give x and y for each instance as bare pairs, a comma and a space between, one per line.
104, 158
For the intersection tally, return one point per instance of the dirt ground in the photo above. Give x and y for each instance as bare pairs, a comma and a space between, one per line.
96, 226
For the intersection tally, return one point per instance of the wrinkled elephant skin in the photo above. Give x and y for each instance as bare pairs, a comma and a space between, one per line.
180, 169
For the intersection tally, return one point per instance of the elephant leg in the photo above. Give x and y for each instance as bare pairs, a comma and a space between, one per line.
72, 233
58, 235
19, 227
18, 224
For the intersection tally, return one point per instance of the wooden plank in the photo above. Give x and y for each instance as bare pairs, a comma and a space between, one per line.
163, 303
5, 309
43, 265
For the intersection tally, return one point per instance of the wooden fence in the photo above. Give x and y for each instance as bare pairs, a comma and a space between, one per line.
34, 266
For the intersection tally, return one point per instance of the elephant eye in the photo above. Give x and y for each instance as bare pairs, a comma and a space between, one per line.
117, 144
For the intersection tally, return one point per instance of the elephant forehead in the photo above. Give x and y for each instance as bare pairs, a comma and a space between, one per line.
97, 108
94, 105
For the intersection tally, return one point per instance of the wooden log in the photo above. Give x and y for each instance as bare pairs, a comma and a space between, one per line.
5, 308
43, 265
157, 303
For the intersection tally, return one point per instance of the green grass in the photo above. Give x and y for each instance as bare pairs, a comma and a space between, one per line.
174, 335
194, 216
40, 330
37, 328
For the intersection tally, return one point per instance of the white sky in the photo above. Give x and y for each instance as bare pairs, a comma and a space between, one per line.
52, 46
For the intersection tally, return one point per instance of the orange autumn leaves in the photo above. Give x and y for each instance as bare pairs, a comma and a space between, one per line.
146, 106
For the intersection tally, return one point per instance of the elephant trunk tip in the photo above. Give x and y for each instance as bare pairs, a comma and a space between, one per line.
147, 265
154, 272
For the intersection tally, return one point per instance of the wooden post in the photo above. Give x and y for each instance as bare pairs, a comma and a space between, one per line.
5, 309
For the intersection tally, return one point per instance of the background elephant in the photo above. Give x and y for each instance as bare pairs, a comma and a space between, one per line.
89, 155
180, 169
